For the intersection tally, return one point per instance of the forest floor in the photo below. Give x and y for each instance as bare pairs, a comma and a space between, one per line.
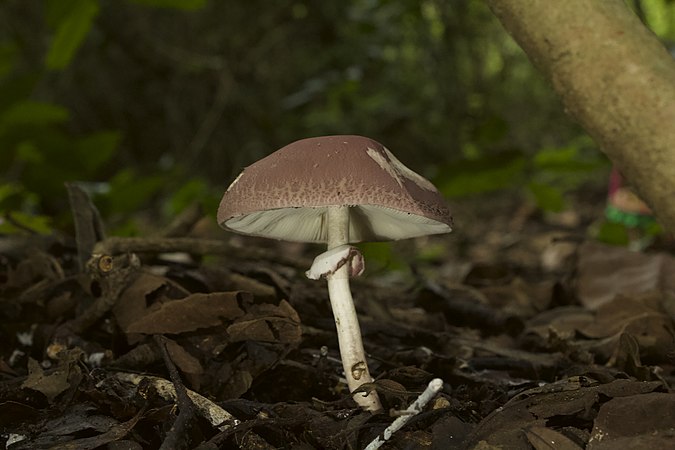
543, 338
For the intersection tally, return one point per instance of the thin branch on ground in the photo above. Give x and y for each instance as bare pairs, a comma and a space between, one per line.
186, 409
430, 392
194, 246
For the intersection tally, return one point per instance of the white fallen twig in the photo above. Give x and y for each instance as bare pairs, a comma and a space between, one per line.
430, 392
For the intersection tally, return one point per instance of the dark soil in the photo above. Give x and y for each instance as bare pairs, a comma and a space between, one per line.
189, 339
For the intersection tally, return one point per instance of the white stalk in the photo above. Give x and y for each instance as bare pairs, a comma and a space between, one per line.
346, 321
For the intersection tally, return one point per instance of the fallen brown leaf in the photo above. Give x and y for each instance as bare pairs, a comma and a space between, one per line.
577, 397
543, 438
51, 385
606, 271
268, 323
638, 422
190, 313
135, 299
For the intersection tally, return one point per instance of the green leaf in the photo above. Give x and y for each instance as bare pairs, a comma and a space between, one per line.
185, 5
547, 157
490, 130
28, 112
28, 152
15, 197
431, 252
547, 197
56, 11
129, 191
613, 234
21, 222
70, 33
482, 175
97, 149
380, 256
660, 18
17, 88
193, 191
567, 159
8, 190
8, 56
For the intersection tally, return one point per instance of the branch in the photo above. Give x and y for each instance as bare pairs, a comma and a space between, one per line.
194, 246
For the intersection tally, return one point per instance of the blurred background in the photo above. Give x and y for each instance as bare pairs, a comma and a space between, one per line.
154, 105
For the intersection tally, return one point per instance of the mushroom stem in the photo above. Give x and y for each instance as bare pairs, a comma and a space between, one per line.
346, 321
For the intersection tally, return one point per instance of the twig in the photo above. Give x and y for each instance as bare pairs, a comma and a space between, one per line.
194, 246
430, 392
9, 218
216, 415
183, 222
114, 274
89, 227
186, 409
142, 355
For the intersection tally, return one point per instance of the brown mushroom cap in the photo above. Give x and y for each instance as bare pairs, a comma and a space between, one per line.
285, 195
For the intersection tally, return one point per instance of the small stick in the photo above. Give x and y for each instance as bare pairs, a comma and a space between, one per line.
186, 409
216, 415
183, 222
430, 392
114, 274
194, 246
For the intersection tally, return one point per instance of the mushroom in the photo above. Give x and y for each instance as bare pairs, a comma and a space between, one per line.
335, 190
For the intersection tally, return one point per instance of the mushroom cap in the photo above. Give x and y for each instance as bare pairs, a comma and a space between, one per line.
286, 194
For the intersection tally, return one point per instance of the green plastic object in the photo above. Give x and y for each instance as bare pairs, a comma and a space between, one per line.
629, 219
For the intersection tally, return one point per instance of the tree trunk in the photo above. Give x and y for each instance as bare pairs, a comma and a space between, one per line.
614, 77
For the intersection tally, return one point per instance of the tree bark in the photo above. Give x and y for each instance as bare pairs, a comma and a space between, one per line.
614, 77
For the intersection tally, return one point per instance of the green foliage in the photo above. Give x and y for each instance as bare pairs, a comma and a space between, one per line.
546, 175
659, 15
432, 253
31, 113
10, 195
193, 191
159, 95
482, 175
39, 153
622, 234
95, 149
185, 5
19, 222
613, 234
380, 256
72, 19
43, 156
129, 191
8, 56
547, 197
487, 132
13, 198
579, 157
40, 150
